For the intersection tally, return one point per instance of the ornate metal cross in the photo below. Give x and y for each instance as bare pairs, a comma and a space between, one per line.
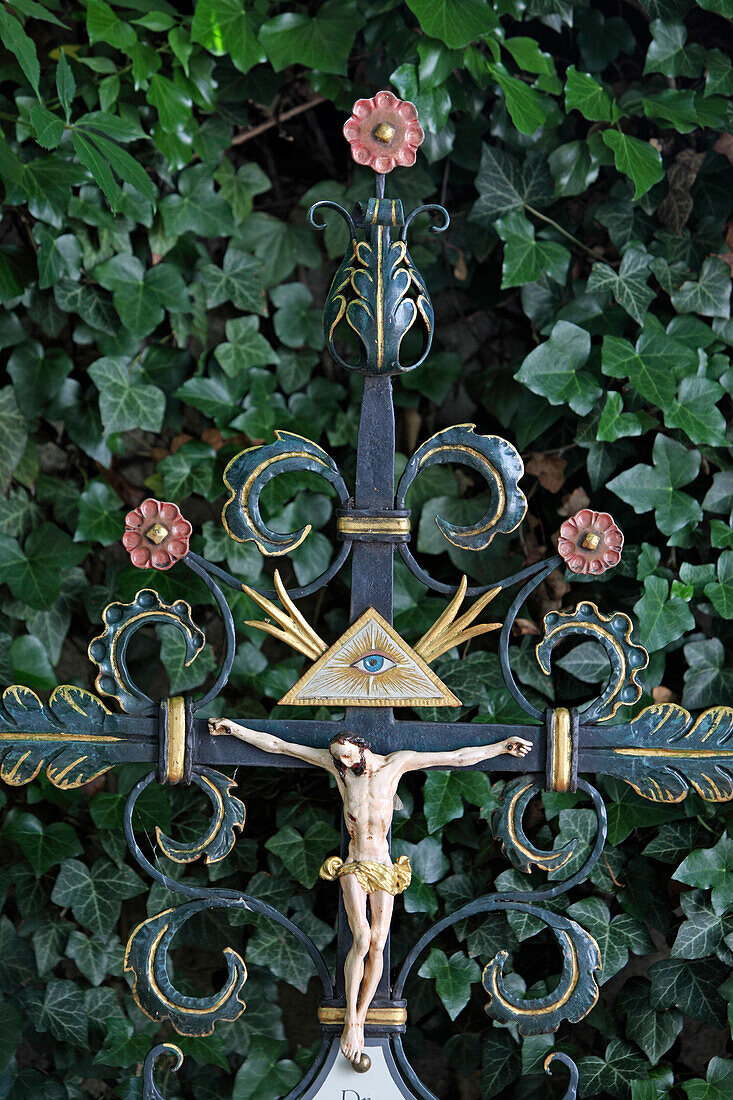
380, 302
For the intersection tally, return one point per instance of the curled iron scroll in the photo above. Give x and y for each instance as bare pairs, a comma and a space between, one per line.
498, 463
150, 1090
249, 472
228, 818
508, 828
146, 953
122, 620
577, 990
613, 632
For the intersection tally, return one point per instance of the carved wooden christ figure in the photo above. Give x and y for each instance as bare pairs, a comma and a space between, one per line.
367, 783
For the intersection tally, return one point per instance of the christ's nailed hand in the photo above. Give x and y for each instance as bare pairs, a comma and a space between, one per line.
517, 746
218, 726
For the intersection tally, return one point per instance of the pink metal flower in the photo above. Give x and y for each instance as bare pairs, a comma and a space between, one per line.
383, 132
156, 535
590, 542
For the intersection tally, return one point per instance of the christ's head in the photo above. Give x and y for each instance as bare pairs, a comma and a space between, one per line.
348, 751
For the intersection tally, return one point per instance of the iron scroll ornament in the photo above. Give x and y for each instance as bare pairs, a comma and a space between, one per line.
663, 752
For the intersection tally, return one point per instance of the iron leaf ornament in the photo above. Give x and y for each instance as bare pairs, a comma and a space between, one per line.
378, 321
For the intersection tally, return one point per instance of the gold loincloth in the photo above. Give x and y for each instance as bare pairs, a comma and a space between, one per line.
370, 875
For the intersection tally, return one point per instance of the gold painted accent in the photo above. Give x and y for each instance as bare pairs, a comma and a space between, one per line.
292, 628
691, 754
443, 697
380, 298
333, 1014
575, 975
158, 992
371, 875
561, 747
69, 738
591, 541
484, 466
216, 826
593, 628
359, 525
447, 631
538, 860
176, 755
156, 533
120, 632
244, 494
384, 133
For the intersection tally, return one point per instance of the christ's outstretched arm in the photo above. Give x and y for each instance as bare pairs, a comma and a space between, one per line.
409, 761
322, 758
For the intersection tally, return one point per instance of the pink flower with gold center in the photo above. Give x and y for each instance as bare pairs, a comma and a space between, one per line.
384, 132
590, 542
156, 535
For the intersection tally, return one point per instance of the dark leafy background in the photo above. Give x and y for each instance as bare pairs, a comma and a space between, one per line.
161, 293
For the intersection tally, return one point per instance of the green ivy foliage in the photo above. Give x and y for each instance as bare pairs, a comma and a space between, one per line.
161, 294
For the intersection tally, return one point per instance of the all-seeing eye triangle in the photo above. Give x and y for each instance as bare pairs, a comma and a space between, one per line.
370, 666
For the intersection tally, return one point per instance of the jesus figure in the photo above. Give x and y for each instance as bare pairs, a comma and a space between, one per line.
367, 783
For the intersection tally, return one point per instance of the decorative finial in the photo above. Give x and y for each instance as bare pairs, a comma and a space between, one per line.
384, 132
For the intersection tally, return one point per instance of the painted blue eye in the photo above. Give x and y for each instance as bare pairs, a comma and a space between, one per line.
374, 663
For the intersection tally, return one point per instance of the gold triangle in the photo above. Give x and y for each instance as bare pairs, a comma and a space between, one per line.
343, 676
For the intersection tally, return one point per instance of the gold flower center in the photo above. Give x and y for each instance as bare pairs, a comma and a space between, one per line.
156, 533
384, 133
591, 541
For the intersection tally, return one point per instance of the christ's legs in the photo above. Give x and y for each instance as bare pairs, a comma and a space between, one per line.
381, 904
355, 900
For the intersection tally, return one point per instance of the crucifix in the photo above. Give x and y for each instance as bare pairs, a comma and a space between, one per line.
378, 322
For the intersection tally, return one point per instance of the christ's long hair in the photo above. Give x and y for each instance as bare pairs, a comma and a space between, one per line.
360, 743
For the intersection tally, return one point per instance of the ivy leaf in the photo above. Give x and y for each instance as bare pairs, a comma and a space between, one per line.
124, 401
694, 411
652, 1030
503, 186
584, 93
43, 846
718, 1083
265, 1074
526, 259
707, 681
613, 1074
703, 931
223, 27
246, 347
34, 571
720, 592
628, 285
667, 52
142, 296
637, 159
614, 423
59, 1008
710, 295
303, 853
95, 895
553, 370
526, 106
691, 986
442, 801
455, 22
661, 619
14, 435
100, 515
237, 281
323, 42
501, 1063
453, 978
711, 868
97, 957
658, 487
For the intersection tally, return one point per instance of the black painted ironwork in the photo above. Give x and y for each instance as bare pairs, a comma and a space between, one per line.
379, 296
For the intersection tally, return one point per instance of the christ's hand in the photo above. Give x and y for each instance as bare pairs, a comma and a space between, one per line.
220, 726
516, 746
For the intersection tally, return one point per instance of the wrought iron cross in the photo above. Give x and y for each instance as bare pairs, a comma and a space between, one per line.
380, 301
